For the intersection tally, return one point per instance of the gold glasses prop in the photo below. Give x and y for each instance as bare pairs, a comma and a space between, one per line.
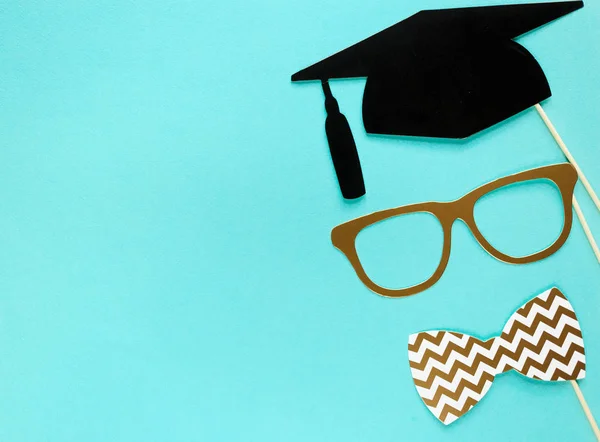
564, 176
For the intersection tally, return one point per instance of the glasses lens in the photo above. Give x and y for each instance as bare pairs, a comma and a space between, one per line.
521, 219
401, 251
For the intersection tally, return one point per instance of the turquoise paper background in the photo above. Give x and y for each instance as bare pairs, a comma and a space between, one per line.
166, 199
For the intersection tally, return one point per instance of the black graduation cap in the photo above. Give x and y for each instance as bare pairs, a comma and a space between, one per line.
446, 73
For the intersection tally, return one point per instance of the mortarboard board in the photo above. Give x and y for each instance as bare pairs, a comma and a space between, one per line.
445, 73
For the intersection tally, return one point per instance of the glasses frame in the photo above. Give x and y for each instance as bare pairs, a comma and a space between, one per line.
563, 175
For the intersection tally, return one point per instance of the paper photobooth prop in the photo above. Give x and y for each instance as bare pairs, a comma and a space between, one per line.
441, 73
453, 371
344, 236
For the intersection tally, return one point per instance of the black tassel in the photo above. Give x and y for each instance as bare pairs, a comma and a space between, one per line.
342, 148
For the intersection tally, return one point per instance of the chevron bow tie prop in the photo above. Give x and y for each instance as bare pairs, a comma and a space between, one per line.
542, 340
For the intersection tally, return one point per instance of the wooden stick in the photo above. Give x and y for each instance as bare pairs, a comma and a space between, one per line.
586, 409
586, 228
588, 234
569, 156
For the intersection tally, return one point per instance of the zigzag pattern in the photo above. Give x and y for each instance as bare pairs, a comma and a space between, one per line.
453, 371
